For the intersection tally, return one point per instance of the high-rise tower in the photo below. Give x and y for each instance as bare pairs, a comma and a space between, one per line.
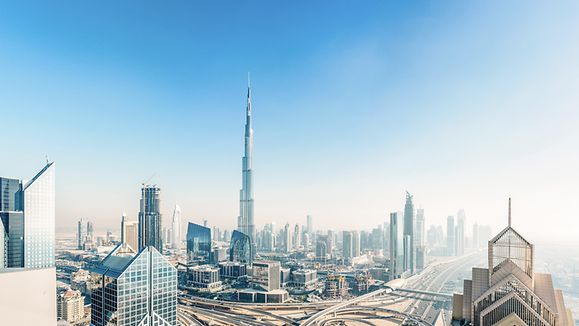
409, 234
150, 218
176, 224
245, 219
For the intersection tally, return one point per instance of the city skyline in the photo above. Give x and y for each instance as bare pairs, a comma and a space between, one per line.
348, 116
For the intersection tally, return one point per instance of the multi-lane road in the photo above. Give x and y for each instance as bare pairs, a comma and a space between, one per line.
385, 306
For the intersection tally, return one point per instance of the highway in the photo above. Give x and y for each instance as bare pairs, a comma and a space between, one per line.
417, 300
438, 278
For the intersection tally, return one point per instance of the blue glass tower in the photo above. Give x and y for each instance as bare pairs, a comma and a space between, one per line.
198, 243
240, 248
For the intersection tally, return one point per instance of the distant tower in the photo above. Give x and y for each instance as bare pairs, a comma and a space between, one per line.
130, 232
408, 237
310, 224
81, 233
459, 234
177, 236
420, 228
394, 245
245, 220
150, 218
450, 233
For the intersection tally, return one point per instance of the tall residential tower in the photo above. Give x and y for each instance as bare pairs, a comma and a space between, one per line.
245, 223
408, 239
150, 218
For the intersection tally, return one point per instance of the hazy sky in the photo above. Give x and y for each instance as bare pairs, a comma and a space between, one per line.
463, 103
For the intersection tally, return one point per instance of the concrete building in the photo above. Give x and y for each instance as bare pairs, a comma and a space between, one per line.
70, 306
130, 232
232, 270
265, 275
134, 289
304, 277
204, 277
509, 291
28, 296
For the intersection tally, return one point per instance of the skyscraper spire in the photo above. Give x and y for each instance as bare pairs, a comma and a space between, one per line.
245, 219
509, 211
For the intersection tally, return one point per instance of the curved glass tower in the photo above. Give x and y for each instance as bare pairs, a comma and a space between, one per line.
240, 248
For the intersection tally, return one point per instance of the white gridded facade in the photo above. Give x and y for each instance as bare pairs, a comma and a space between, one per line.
39, 213
148, 281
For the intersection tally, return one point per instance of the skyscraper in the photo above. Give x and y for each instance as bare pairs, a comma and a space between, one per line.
450, 233
509, 291
310, 224
27, 213
150, 218
39, 213
130, 232
347, 245
134, 289
245, 220
297, 237
240, 248
177, 227
459, 233
394, 245
420, 228
355, 244
408, 238
81, 233
198, 243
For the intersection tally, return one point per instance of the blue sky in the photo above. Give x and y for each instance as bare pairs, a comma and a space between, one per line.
462, 103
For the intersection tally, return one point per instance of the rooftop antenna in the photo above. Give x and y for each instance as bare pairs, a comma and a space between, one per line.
509, 211
46, 159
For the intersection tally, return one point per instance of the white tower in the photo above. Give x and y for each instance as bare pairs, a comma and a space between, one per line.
177, 234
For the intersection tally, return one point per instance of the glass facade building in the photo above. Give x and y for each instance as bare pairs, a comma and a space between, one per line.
198, 243
240, 248
27, 213
39, 214
509, 292
134, 289
150, 218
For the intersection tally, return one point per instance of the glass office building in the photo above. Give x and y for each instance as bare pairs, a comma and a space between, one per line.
240, 248
39, 213
134, 289
27, 213
198, 243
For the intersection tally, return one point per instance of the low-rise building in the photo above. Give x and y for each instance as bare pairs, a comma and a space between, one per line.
205, 277
265, 275
70, 306
304, 277
284, 276
232, 270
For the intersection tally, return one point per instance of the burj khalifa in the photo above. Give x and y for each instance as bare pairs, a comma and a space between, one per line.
245, 222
